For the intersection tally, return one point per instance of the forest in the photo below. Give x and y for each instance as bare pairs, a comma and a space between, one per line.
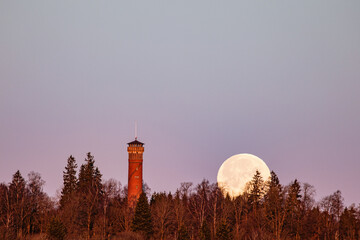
91, 208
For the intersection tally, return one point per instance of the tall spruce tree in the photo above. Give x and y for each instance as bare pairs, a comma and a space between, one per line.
18, 195
86, 174
90, 193
274, 206
292, 205
256, 190
70, 181
142, 222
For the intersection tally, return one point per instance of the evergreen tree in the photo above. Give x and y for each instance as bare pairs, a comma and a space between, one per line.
89, 177
292, 219
274, 206
142, 219
18, 202
97, 181
256, 190
87, 174
90, 194
17, 187
349, 225
70, 181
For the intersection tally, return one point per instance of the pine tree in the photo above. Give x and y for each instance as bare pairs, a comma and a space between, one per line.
86, 174
292, 220
89, 177
18, 201
142, 219
274, 206
17, 187
90, 194
70, 181
256, 190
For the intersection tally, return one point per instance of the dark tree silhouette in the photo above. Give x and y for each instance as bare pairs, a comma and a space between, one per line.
90, 194
274, 209
293, 210
70, 181
18, 194
161, 205
92, 209
256, 190
142, 222
349, 226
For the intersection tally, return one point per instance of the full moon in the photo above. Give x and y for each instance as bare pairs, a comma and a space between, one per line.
238, 170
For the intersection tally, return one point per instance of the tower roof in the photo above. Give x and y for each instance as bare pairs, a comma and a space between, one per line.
136, 142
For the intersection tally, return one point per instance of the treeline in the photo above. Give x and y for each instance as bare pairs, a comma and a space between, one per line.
90, 208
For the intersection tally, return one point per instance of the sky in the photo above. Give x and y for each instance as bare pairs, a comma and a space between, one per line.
204, 80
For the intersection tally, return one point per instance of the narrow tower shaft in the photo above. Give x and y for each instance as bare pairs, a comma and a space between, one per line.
135, 175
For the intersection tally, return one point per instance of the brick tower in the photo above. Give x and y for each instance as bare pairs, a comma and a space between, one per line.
135, 178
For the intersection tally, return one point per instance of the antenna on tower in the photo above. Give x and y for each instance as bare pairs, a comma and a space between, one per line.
135, 130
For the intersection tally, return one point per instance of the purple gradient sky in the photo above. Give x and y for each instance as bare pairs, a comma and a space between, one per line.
204, 80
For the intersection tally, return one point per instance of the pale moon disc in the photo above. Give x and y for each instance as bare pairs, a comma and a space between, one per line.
238, 170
